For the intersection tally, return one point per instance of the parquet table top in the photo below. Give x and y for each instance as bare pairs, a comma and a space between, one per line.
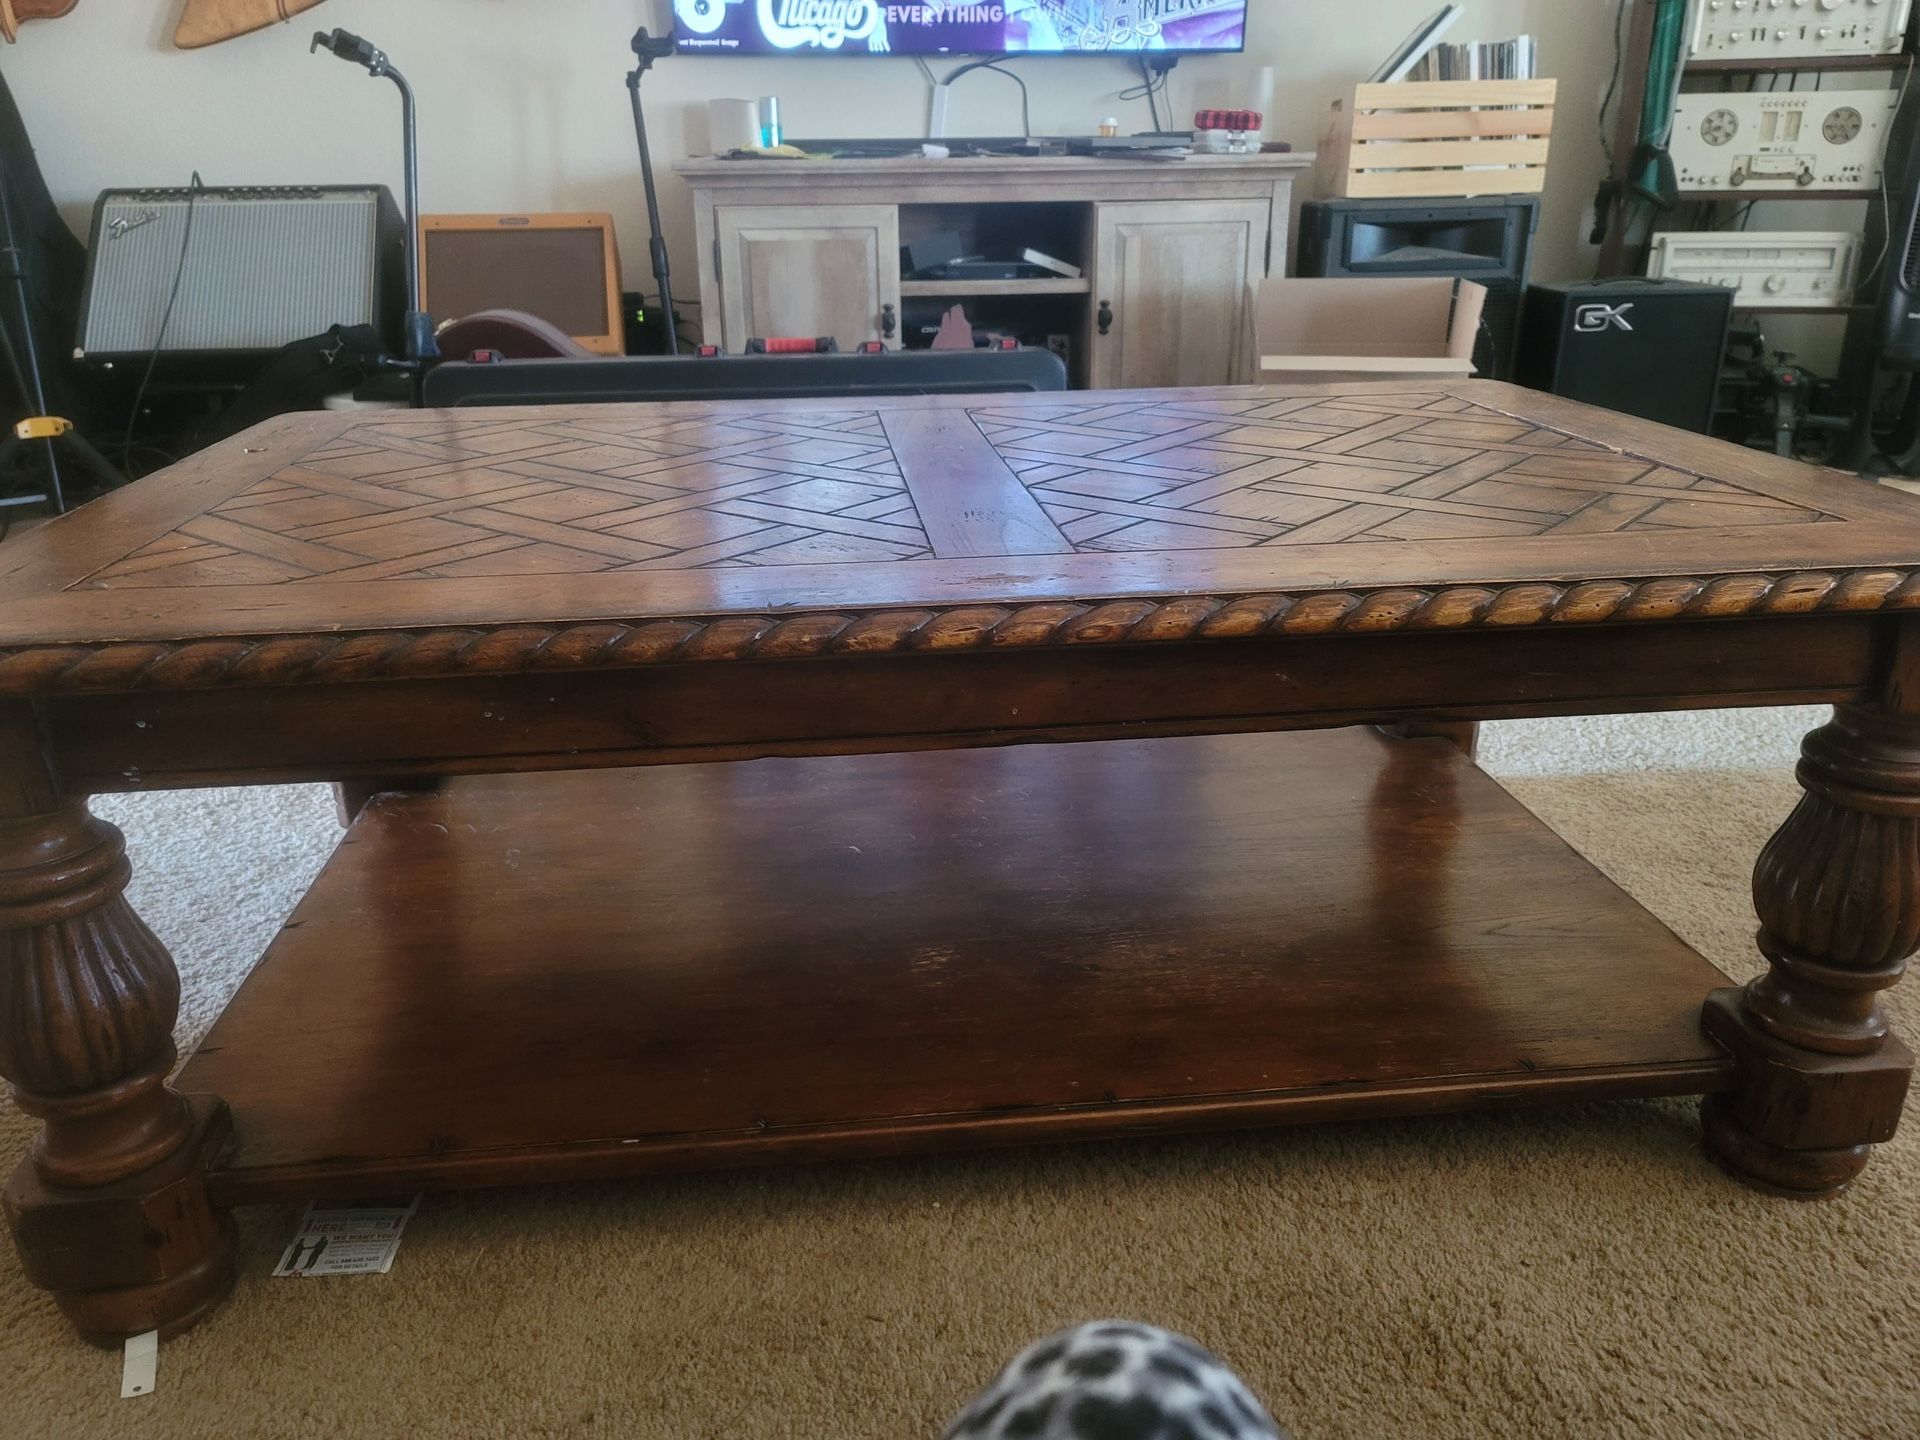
790, 528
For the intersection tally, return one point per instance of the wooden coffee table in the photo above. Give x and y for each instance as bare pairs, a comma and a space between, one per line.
886, 934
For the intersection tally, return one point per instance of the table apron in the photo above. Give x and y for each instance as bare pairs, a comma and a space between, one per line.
678, 713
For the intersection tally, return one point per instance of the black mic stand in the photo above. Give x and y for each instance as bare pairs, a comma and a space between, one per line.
419, 346
23, 367
647, 49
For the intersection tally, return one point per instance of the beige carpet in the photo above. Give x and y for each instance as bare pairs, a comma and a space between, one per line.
1577, 1273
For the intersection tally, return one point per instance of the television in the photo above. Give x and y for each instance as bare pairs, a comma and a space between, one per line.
960, 27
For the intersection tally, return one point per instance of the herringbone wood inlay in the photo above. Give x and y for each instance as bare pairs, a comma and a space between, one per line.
417, 498
425, 497
1318, 469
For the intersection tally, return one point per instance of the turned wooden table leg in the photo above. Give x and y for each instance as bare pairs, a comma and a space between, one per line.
109, 1210
1821, 1079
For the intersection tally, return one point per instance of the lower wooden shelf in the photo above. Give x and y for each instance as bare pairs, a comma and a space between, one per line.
961, 289
566, 976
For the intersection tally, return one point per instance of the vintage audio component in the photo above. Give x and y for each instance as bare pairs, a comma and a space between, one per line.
1782, 139
1643, 347
1788, 29
1772, 269
262, 266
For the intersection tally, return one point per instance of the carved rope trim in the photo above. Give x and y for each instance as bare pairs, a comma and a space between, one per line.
515, 649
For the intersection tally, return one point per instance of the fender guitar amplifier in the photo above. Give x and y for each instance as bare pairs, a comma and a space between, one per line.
260, 266
1488, 241
1650, 348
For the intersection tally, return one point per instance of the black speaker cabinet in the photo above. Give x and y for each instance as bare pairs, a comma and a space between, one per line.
1489, 241
1650, 348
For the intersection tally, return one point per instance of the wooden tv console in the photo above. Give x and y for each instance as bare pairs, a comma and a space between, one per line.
1168, 250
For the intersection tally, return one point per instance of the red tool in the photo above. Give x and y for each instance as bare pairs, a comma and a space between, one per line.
822, 345
1237, 120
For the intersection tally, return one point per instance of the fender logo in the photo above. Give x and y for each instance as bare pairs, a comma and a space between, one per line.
126, 224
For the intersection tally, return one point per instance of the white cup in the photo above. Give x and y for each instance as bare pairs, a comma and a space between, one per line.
732, 125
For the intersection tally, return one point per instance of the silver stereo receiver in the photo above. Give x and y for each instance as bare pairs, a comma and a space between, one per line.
1766, 30
1770, 269
1782, 139
256, 267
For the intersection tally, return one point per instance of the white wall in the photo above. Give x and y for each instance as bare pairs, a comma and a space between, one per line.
524, 105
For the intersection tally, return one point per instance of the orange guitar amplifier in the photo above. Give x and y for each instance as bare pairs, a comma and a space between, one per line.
563, 268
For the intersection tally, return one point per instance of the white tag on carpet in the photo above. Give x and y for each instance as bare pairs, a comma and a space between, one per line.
142, 1363
347, 1239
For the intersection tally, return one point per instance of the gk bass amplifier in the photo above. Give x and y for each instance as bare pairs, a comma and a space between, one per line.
1766, 269
1489, 242
1643, 347
1798, 29
1782, 140
257, 267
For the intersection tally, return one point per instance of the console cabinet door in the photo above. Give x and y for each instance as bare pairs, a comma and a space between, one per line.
1170, 285
808, 270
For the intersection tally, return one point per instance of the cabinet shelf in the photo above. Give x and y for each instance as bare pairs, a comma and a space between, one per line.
959, 289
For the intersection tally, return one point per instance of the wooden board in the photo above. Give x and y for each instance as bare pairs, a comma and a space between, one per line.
419, 543
558, 977
1454, 94
1449, 184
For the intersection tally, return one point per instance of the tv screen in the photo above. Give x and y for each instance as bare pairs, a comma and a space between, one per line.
933, 27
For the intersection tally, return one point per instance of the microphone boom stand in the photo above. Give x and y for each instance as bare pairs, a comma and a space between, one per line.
647, 49
23, 367
418, 342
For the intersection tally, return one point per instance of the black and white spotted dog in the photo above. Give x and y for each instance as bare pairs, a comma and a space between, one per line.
1115, 1381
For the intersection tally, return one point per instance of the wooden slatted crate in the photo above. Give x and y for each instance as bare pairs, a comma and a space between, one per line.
1439, 138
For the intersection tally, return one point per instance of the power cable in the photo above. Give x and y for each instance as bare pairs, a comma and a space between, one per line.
194, 187
993, 64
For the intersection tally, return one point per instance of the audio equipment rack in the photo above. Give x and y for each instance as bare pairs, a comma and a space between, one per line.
1622, 217
1636, 64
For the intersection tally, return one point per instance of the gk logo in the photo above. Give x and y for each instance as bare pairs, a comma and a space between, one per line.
1591, 319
